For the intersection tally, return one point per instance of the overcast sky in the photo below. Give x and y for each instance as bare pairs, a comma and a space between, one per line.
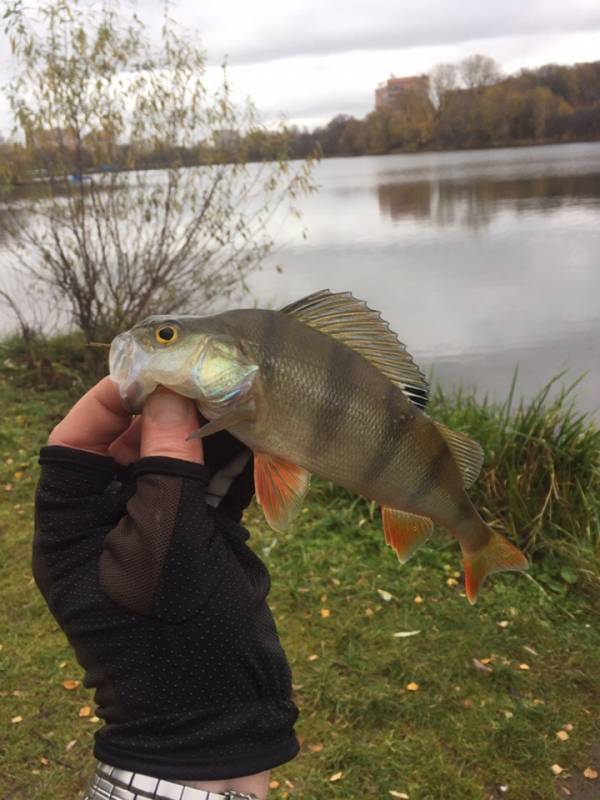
308, 60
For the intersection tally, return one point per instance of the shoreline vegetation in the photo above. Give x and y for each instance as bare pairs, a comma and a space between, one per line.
437, 688
464, 106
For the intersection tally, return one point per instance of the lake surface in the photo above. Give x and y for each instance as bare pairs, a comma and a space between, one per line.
482, 261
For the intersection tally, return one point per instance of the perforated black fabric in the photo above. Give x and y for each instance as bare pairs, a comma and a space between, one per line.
164, 595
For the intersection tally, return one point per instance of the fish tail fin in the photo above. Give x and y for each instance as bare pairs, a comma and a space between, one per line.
496, 555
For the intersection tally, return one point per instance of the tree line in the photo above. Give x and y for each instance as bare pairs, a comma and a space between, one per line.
466, 105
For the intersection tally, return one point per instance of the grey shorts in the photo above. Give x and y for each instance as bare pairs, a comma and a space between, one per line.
112, 783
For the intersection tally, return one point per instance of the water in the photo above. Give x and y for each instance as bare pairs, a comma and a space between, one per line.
482, 261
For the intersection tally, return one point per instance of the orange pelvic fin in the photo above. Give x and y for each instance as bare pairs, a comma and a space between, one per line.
280, 489
405, 532
497, 555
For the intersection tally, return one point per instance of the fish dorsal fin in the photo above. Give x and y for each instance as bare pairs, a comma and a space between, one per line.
467, 453
352, 322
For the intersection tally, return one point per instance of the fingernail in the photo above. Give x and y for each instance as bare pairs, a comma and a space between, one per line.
165, 407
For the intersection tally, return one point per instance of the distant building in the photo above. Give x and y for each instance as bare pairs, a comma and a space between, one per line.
390, 93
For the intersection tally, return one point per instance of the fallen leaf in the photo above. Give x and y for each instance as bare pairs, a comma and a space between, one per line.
94, 719
70, 745
35, 772
590, 773
70, 684
85, 711
18, 475
568, 727
524, 667
16, 719
504, 623
508, 714
419, 599
369, 612
399, 795
412, 687
336, 777
8, 487
385, 596
530, 650
556, 769
486, 660
289, 784
274, 785
315, 748
63, 664
323, 598
325, 612
468, 703
405, 634
562, 735
44, 761
313, 657
336, 581
479, 665
451, 582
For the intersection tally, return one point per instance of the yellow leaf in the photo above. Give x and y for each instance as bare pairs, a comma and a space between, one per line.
70, 684
8, 487
524, 667
323, 598
386, 596
412, 687
16, 719
44, 761
562, 735
70, 745
452, 582
274, 785
325, 612
568, 727
85, 711
504, 623
556, 769
63, 664
336, 777
590, 773
369, 612
315, 748
313, 657
399, 795
419, 599
18, 475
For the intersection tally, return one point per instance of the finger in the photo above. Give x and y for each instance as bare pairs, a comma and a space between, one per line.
167, 421
95, 421
126, 449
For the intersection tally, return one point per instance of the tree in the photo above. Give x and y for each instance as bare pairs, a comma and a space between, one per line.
478, 71
97, 104
443, 78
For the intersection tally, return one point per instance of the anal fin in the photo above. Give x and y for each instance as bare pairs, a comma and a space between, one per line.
280, 489
405, 532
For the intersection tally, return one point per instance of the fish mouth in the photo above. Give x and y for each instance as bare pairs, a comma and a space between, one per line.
126, 363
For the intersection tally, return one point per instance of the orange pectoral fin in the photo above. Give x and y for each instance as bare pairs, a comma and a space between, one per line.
280, 489
404, 532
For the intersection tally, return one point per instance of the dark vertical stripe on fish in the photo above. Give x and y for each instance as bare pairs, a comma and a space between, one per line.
270, 338
433, 470
333, 411
385, 448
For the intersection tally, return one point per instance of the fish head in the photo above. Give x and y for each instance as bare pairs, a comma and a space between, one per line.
192, 356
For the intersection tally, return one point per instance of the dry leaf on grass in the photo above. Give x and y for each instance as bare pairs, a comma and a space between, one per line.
16, 719
325, 612
313, 657
568, 727
412, 687
44, 761
524, 667
479, 665
70, 745
70, 684
336, 777
419, 599
315, 748
590, 773
399, 795
274, 785
562, 735
385, 596
85, 711
405, 634
556, 769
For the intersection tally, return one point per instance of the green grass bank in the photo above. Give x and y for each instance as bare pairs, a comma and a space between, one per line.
476, 703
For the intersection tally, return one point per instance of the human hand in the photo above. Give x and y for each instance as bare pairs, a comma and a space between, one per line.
99, 423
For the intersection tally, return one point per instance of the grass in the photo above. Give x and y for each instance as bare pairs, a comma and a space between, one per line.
339, 596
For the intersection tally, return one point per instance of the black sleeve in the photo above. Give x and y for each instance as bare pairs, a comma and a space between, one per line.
152, 560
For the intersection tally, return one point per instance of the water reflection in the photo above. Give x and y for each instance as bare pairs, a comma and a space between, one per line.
473, 204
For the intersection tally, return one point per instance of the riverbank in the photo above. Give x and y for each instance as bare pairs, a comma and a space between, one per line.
402, 686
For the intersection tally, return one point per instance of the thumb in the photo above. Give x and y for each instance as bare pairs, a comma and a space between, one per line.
167, 421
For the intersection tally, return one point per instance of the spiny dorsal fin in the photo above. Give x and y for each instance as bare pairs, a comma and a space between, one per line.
352, 322
467, 453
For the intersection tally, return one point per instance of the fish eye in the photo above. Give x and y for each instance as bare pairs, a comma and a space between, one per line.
166, 334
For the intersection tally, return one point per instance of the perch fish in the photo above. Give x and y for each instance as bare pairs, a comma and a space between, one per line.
322, 386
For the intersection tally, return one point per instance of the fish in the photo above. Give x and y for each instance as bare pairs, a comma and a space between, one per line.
325, 387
